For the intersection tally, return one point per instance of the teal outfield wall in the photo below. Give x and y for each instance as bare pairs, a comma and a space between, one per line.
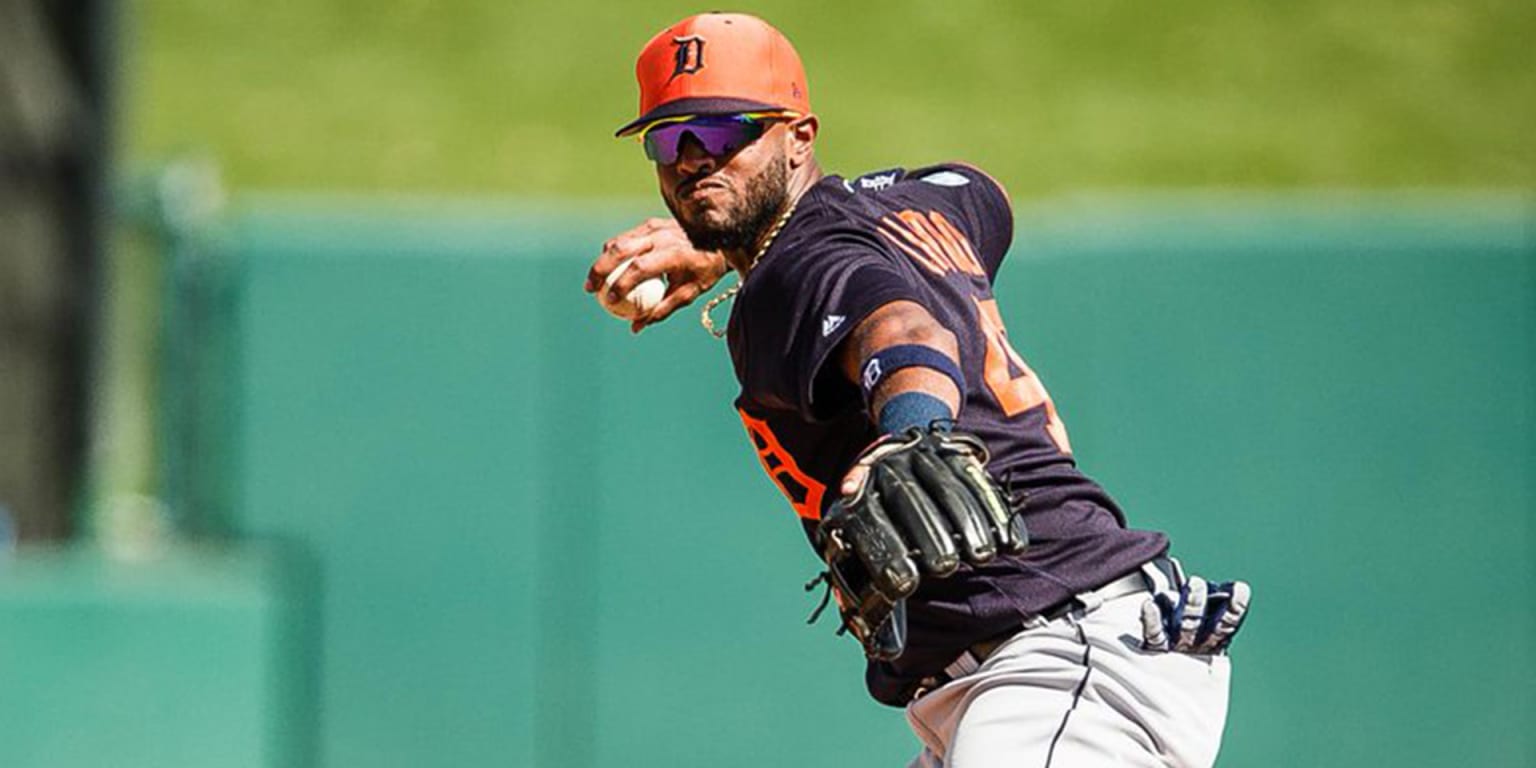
192, 656
542, 541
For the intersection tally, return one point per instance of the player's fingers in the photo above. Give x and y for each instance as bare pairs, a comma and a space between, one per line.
629, 275
678, 295
1153, 637
854, 480
856, 477
602, 266
658, 224
661, 255
1226, 622
616, 251
607, 258
1193, 614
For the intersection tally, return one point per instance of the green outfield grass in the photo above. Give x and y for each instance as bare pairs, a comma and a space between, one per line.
520, 98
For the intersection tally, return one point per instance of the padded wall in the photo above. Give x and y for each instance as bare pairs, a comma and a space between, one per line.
192, 656
546, 542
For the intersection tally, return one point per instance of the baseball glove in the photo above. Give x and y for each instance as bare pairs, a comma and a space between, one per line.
926, 505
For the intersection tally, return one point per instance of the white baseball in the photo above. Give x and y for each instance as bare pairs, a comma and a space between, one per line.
641, 298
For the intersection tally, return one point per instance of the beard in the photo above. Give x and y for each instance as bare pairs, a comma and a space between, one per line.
744, 220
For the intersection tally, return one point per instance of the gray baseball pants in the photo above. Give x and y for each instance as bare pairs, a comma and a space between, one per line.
1078, 691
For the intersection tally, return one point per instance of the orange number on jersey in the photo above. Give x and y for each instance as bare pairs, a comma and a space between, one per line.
1016, 394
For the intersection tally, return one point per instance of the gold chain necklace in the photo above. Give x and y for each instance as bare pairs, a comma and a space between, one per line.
730, 293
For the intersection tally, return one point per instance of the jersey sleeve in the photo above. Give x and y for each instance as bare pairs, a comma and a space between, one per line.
985, 212
816, 300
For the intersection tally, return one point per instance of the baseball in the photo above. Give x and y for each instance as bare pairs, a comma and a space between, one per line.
640, 299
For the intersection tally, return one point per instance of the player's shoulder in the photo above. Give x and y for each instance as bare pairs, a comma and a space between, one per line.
928, 201
961, 177
830, 229
957, 183
841, 213
832, 215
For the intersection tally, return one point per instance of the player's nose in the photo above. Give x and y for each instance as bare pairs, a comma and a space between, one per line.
692, 159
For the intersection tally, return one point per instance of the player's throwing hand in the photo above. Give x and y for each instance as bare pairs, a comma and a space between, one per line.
658, 247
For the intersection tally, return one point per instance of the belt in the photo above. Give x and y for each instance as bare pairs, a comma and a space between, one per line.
1155, 575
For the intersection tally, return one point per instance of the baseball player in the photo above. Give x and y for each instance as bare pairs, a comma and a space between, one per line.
995, 590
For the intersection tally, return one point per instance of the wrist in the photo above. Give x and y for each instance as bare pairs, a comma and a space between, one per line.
914, 408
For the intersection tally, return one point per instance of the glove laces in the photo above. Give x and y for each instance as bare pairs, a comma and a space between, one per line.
825, 577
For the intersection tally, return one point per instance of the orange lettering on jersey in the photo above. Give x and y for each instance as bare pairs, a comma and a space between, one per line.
921, 234
803, 492
1015, 394
932, 241
904, 238
965, 256
930, 235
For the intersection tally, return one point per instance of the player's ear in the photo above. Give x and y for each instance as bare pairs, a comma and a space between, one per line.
801, 139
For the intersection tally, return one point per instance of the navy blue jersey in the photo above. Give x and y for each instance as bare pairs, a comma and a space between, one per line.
935, 236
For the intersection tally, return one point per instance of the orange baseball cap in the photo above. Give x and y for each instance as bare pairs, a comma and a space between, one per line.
718, 64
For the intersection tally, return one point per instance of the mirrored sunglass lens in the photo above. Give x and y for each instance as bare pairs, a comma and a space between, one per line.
664, 144
661, 144
722, 139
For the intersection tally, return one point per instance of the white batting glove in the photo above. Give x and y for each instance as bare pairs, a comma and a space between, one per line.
1199, 617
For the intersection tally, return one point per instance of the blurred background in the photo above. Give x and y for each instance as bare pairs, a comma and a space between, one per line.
313, 452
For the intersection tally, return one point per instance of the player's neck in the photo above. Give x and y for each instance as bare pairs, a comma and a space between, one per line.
800, 181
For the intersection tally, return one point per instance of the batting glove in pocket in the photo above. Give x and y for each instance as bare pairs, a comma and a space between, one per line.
1193, 615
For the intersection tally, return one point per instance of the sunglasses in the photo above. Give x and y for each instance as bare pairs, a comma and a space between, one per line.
719, 136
